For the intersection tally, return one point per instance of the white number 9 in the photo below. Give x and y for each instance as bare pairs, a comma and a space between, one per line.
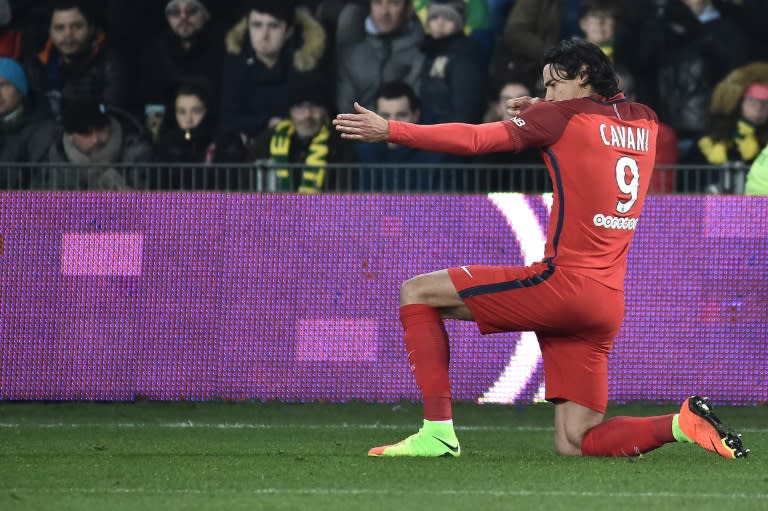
631, 188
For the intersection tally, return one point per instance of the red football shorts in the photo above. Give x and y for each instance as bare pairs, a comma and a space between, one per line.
574, 317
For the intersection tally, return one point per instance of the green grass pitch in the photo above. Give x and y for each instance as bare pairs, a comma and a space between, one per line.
232, 456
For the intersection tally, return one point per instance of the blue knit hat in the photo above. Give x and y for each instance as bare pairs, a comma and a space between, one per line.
12, 71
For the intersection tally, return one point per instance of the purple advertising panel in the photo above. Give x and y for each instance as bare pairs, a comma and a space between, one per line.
114, 296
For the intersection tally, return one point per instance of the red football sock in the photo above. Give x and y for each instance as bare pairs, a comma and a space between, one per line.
428, 356
627, 436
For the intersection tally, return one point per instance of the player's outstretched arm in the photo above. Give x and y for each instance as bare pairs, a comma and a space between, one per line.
363, 126
453, 138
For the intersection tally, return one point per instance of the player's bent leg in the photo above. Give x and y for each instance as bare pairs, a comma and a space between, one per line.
424, 301
572, 421
582, 431
697, 423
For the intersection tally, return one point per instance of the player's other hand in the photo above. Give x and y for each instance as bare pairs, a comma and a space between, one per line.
517, 105
364, 126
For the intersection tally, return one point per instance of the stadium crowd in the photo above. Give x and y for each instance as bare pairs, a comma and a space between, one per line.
103, 84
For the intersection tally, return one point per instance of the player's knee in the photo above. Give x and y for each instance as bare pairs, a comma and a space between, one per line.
410, 292
568, 440
565, 447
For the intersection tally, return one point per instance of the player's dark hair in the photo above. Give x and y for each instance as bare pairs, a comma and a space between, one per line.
398, 89
569, 58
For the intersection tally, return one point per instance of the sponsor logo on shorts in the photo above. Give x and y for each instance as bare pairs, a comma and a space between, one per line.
614, 222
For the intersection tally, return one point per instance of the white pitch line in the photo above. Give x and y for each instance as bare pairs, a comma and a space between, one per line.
246, 425
377, 491
240, 425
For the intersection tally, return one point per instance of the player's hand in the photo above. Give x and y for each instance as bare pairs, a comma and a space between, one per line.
364, 126
517, 105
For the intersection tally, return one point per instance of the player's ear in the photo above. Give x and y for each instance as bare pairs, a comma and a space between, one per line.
583, 75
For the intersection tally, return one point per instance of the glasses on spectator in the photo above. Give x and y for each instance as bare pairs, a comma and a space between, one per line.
176, 12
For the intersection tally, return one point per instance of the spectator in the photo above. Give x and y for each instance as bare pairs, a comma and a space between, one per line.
305, 137
25, 134
685, 49
187, 50
390, 51
757, 179
739, 126
397, 101
97, 138
476, 23
532, 27
187, 136
76, 61
272, 46
476, 14
187, 132
454, 76
598, 23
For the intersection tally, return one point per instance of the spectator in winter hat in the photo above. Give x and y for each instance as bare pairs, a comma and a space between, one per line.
188, 50
98, 138
454, 76
25, 132
305, 136
739, 109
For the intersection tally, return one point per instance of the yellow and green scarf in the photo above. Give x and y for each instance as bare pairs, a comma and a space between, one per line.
313, 177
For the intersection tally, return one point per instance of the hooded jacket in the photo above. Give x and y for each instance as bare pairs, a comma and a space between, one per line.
252, 93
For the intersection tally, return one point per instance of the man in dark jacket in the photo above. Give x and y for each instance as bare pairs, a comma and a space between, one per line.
75, 61
96, 147
391, 51
273, 45
190, 50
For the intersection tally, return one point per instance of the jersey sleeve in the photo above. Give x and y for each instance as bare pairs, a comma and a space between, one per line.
453, 138
539, 125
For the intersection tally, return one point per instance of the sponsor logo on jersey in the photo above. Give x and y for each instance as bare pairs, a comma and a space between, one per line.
614, 222
520, 122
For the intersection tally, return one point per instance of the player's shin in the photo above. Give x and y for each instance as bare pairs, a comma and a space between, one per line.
426, 342
627, 436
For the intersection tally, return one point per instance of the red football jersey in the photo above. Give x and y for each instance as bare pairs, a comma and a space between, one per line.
600, 154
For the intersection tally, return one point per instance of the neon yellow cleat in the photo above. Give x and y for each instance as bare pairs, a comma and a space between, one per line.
432, 440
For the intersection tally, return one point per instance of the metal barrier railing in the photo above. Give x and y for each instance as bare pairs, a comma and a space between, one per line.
262, 176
